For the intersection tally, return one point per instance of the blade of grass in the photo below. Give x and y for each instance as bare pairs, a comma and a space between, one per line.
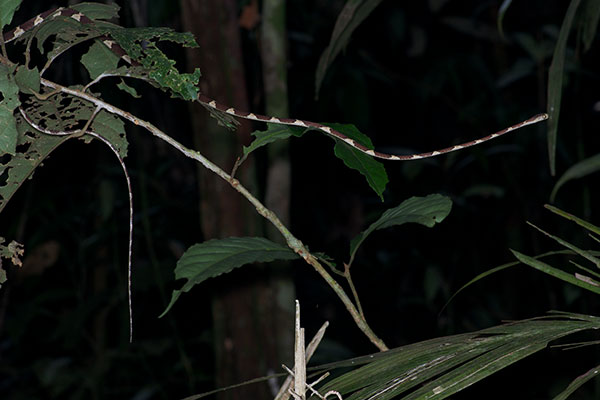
578, 382
577, 171
587, 270
555, 272
498, 269
556, 75
583, 253
443, 366
578, 221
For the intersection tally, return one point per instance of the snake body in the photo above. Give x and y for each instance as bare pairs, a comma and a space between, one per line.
211, 103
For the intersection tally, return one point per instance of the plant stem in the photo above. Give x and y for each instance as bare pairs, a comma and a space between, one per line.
348, 277
294, 243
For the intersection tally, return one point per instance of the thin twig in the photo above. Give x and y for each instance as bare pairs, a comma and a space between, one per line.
348, 277
295, 244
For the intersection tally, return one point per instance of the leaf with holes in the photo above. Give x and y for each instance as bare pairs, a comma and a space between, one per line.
68, 32
579, 170
61, 112
36, 148
112, 128
441, 367
99, 59
9, 92
7, 11
12, 252
220, 256
141, 45
373, 171
426, 211
556, 75
65, 33
351, 16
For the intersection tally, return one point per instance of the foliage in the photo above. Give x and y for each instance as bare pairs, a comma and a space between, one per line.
586, 278
220, 256
37, 116
441, 367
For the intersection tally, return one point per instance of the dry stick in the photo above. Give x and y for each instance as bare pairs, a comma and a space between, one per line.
294, 243
283, 393
300, 360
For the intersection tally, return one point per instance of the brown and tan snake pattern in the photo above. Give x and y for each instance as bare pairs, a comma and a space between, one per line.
207, 101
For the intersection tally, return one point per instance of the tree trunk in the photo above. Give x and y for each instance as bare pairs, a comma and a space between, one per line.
245, 311
277, 198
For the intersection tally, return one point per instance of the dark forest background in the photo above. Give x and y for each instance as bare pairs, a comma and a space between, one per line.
416, 76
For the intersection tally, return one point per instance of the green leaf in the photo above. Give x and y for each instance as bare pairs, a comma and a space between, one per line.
68, 114
577, 220
557, 273
65, 33
99, 59
370, 168
578, 382
590, 14
555, 82
7, 11
27, 79
112, 128
219, 256
13, 252
141, 45
351, 16
441, 367
426, 211
273, 133
585, 254
8, 127
579, 170
223, 119
98, 11
10, 101
22, 165
128, 89
498, 269
588, 271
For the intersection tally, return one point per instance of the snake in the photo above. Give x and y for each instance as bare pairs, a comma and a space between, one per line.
75, 15
218, 107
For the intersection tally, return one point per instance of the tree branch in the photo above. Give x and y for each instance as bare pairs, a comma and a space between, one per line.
294, 243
